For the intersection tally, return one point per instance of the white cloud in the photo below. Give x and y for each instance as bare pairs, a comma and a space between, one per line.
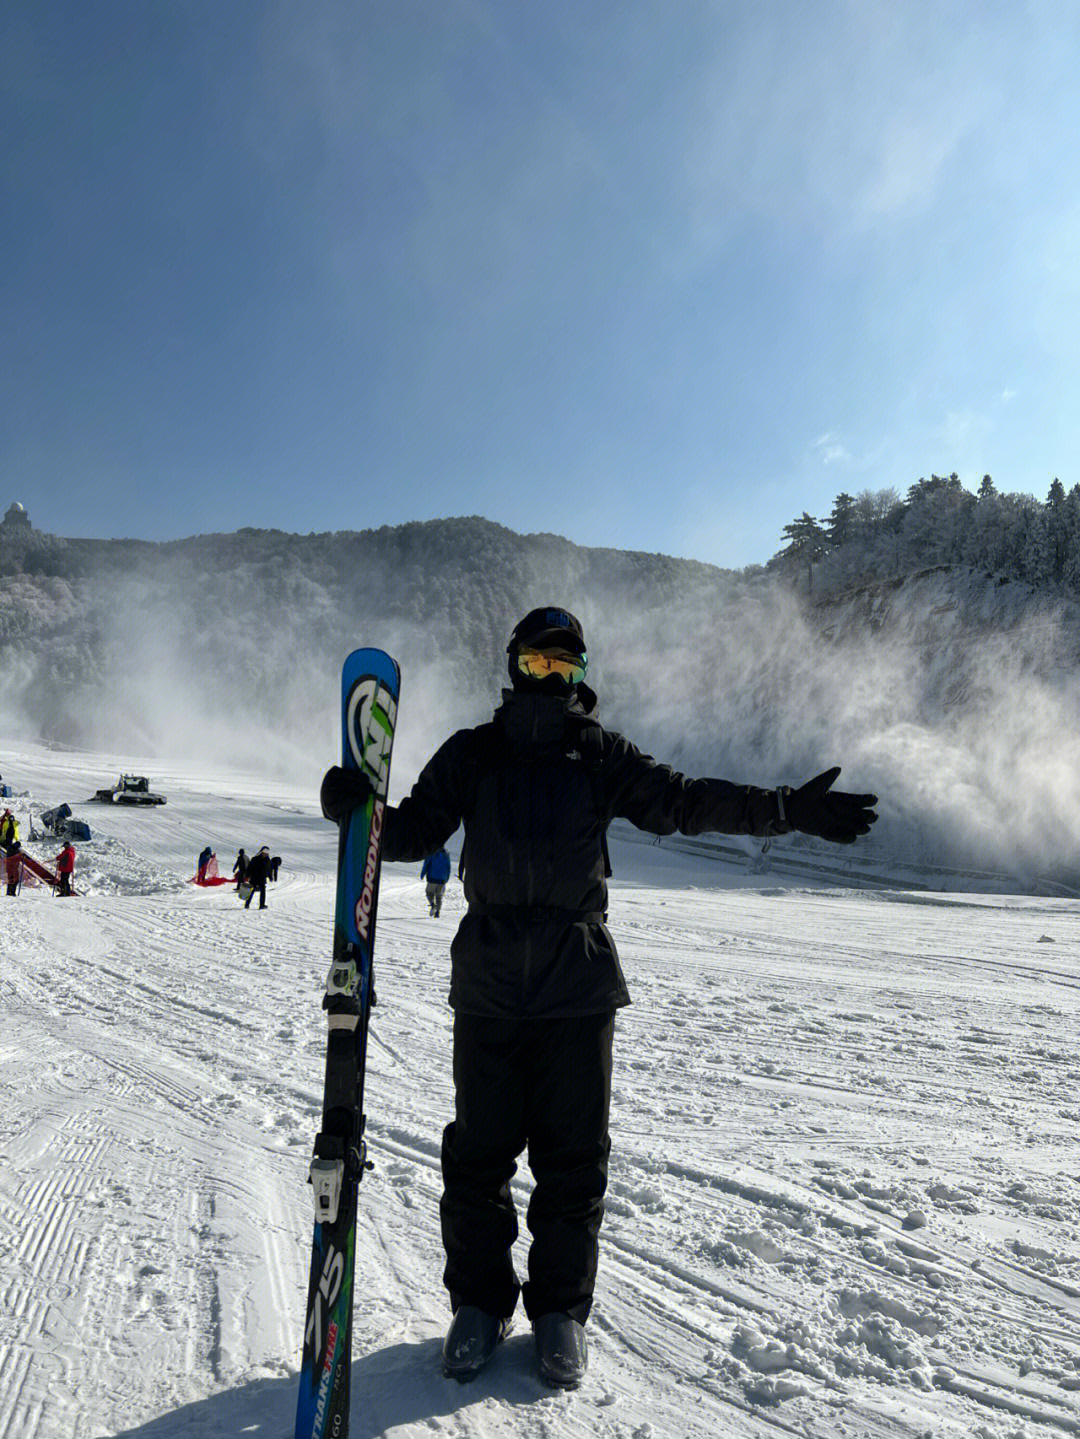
1007, 395
830, 448
912, 154
847, 116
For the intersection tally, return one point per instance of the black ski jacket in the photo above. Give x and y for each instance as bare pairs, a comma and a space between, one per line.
258, 869
536, 789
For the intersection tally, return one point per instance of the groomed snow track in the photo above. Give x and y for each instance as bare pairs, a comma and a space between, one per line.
844, 1196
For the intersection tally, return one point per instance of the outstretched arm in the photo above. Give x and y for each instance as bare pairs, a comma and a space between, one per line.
658, 799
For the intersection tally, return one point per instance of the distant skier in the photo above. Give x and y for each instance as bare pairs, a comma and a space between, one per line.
200, 865
258, 872
436, 870
275, 865
9, 830
240, 869
536, 980
13, 867
65, 868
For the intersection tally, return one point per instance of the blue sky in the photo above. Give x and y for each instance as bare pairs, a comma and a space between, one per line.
653, 276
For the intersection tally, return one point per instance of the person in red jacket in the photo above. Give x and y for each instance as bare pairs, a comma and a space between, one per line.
65, 867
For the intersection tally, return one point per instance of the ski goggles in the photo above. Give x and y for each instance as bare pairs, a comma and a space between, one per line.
538, 664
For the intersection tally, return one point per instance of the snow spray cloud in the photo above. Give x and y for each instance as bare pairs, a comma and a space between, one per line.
957, 701
233, 666
963, 717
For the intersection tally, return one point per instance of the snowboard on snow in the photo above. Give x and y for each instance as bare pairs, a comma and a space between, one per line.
370, 683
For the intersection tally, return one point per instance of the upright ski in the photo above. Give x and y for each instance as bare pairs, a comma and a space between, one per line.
370, 683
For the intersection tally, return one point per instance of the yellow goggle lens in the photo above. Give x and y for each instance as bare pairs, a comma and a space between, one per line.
538, 664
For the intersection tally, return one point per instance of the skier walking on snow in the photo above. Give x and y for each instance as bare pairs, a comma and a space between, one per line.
258, 872
536, 979
436, 870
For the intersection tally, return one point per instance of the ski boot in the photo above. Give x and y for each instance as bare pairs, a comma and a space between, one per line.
561, 1349
470, 1342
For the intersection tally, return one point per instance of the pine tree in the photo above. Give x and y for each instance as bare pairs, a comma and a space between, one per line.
1071, 569
806, 543
841, 522
1057, 530
1038, 555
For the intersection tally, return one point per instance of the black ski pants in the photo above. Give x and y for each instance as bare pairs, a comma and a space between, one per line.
545, 1084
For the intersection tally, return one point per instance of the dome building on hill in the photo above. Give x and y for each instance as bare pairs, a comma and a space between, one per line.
16, 518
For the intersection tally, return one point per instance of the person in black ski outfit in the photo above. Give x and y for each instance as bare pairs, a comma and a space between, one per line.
240, 869
258, 872
536, 980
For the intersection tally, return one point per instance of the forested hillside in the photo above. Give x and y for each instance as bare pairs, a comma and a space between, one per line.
951, 688
878, 535
233, 641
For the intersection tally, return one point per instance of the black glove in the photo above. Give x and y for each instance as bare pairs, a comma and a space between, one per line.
816, 808
342, 791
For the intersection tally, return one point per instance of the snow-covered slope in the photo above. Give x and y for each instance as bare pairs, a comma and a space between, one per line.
845, 1194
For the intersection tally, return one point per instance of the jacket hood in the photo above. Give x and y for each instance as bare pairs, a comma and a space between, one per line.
580, 701
536, 719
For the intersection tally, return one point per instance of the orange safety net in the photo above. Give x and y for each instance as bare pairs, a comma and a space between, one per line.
13, 871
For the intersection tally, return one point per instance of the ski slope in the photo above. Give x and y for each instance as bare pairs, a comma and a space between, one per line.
845, 1187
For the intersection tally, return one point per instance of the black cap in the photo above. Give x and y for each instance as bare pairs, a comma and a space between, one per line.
548, 626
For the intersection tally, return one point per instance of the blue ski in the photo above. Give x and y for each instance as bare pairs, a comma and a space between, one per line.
370, 683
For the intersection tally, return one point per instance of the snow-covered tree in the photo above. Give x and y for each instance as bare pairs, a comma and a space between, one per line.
840, 526
807, 542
